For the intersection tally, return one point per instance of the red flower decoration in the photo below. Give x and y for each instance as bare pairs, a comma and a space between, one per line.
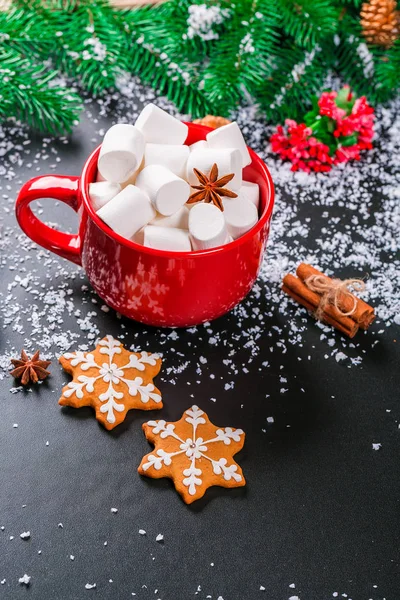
303, 150
329, 108
338, 128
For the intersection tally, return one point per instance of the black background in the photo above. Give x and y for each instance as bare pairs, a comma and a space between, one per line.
320, 508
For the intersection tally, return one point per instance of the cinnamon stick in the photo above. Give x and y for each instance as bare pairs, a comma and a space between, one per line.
364, 314
296, 289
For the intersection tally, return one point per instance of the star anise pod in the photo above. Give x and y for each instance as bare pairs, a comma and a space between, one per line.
30, 369
211, 188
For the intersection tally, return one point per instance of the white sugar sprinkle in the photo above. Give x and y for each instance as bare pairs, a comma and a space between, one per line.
159, 538
90, 586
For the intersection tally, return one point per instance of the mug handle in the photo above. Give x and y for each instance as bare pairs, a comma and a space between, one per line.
59, 187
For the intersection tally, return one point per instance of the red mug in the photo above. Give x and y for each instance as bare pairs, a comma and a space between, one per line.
156, 287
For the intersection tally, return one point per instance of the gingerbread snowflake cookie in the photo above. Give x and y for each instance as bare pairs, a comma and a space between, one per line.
112, 380
194, 453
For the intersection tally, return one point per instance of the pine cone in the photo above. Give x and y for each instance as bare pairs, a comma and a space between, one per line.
380, 22
211, 121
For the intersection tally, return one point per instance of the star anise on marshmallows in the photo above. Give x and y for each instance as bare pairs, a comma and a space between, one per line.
210, 189
30, 369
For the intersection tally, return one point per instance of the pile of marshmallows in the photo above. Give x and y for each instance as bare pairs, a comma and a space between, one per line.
145, 174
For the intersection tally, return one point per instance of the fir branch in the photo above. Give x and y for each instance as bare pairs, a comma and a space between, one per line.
242, 60
356, 4
179, 85
204, 56
28, 92
387, 72
86, 39
309, 21
168, 24
297, 77
354, 62
156, 55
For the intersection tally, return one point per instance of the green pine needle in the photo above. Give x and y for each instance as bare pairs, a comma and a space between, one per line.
28, 92
309, 21
241, 61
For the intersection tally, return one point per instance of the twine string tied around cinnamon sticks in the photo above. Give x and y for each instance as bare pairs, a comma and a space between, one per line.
334, 291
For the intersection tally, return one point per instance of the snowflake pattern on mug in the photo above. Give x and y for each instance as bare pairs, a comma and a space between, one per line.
112, 380
144, 290
194, 453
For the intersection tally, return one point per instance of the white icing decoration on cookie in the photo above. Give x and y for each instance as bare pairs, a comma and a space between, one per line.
194, 448
112, 374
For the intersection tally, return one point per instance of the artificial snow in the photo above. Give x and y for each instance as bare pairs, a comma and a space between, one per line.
25, 579
201, 21
25, 535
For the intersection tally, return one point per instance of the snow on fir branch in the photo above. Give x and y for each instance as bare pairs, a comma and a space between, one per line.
202, 18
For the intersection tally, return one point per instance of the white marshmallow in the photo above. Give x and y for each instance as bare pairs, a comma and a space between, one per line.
199, 144
167, 238
180, 219
158, 127
123, 184
252, 192
229, 136
228, 160
167, 192
207, 227
121, 152
102, 192
172, 157
240, 215
128, 211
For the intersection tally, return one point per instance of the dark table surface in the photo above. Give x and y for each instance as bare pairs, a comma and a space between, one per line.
318, 518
